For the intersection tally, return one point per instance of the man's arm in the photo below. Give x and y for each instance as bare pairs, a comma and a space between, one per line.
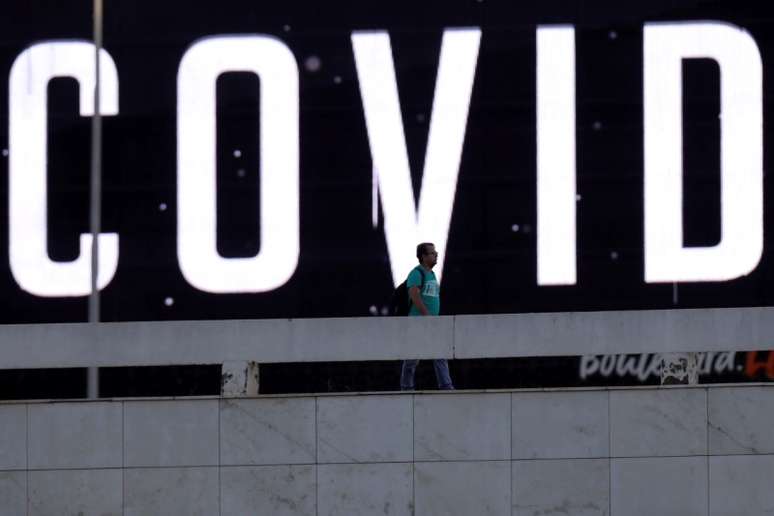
416, 298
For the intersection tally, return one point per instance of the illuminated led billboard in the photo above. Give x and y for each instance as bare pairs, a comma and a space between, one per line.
285, 160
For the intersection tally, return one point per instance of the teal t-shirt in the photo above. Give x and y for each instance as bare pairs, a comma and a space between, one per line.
431, 292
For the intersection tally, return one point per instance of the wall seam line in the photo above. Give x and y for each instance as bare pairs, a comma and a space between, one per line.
316, 459
707, 426
220, 482
377, 462
413, 457
511, 463
123, 458
609, 455
27, 451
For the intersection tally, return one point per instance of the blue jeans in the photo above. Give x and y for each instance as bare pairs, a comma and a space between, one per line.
441, 374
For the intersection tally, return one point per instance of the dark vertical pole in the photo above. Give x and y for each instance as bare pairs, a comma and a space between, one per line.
96, 192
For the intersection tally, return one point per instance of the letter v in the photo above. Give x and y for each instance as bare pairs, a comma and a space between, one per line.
404, 225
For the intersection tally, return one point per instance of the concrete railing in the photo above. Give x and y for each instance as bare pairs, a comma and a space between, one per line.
688, 451
385, 338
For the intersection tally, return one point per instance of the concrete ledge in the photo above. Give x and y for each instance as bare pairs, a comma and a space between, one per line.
216, 342
607, 333
384, 338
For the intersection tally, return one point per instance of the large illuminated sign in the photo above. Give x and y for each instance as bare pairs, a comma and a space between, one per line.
741, 152
197, 253
30, 74
406, 221
404, 224
556, 192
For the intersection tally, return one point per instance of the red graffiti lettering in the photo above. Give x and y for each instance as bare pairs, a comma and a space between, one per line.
765, 365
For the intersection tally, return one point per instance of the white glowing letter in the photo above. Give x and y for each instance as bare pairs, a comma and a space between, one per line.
201, 264
556, 249
741, 152
31, 266
404, 225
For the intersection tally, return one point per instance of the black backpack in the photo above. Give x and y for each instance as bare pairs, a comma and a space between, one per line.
400, 304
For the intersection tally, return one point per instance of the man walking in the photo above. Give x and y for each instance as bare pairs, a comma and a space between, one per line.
425, 300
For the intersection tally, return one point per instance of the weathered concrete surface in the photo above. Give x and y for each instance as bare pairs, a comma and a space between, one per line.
171, 433
239, 379
549, 426
664, 485
585, 487
683, 450
658, 423
265, 431
74, 435
216, 342
679, 368
603, 333
385, 338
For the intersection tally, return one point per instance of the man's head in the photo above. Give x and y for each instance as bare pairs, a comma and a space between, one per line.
427, 255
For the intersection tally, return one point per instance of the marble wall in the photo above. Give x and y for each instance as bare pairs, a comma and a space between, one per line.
680, 451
